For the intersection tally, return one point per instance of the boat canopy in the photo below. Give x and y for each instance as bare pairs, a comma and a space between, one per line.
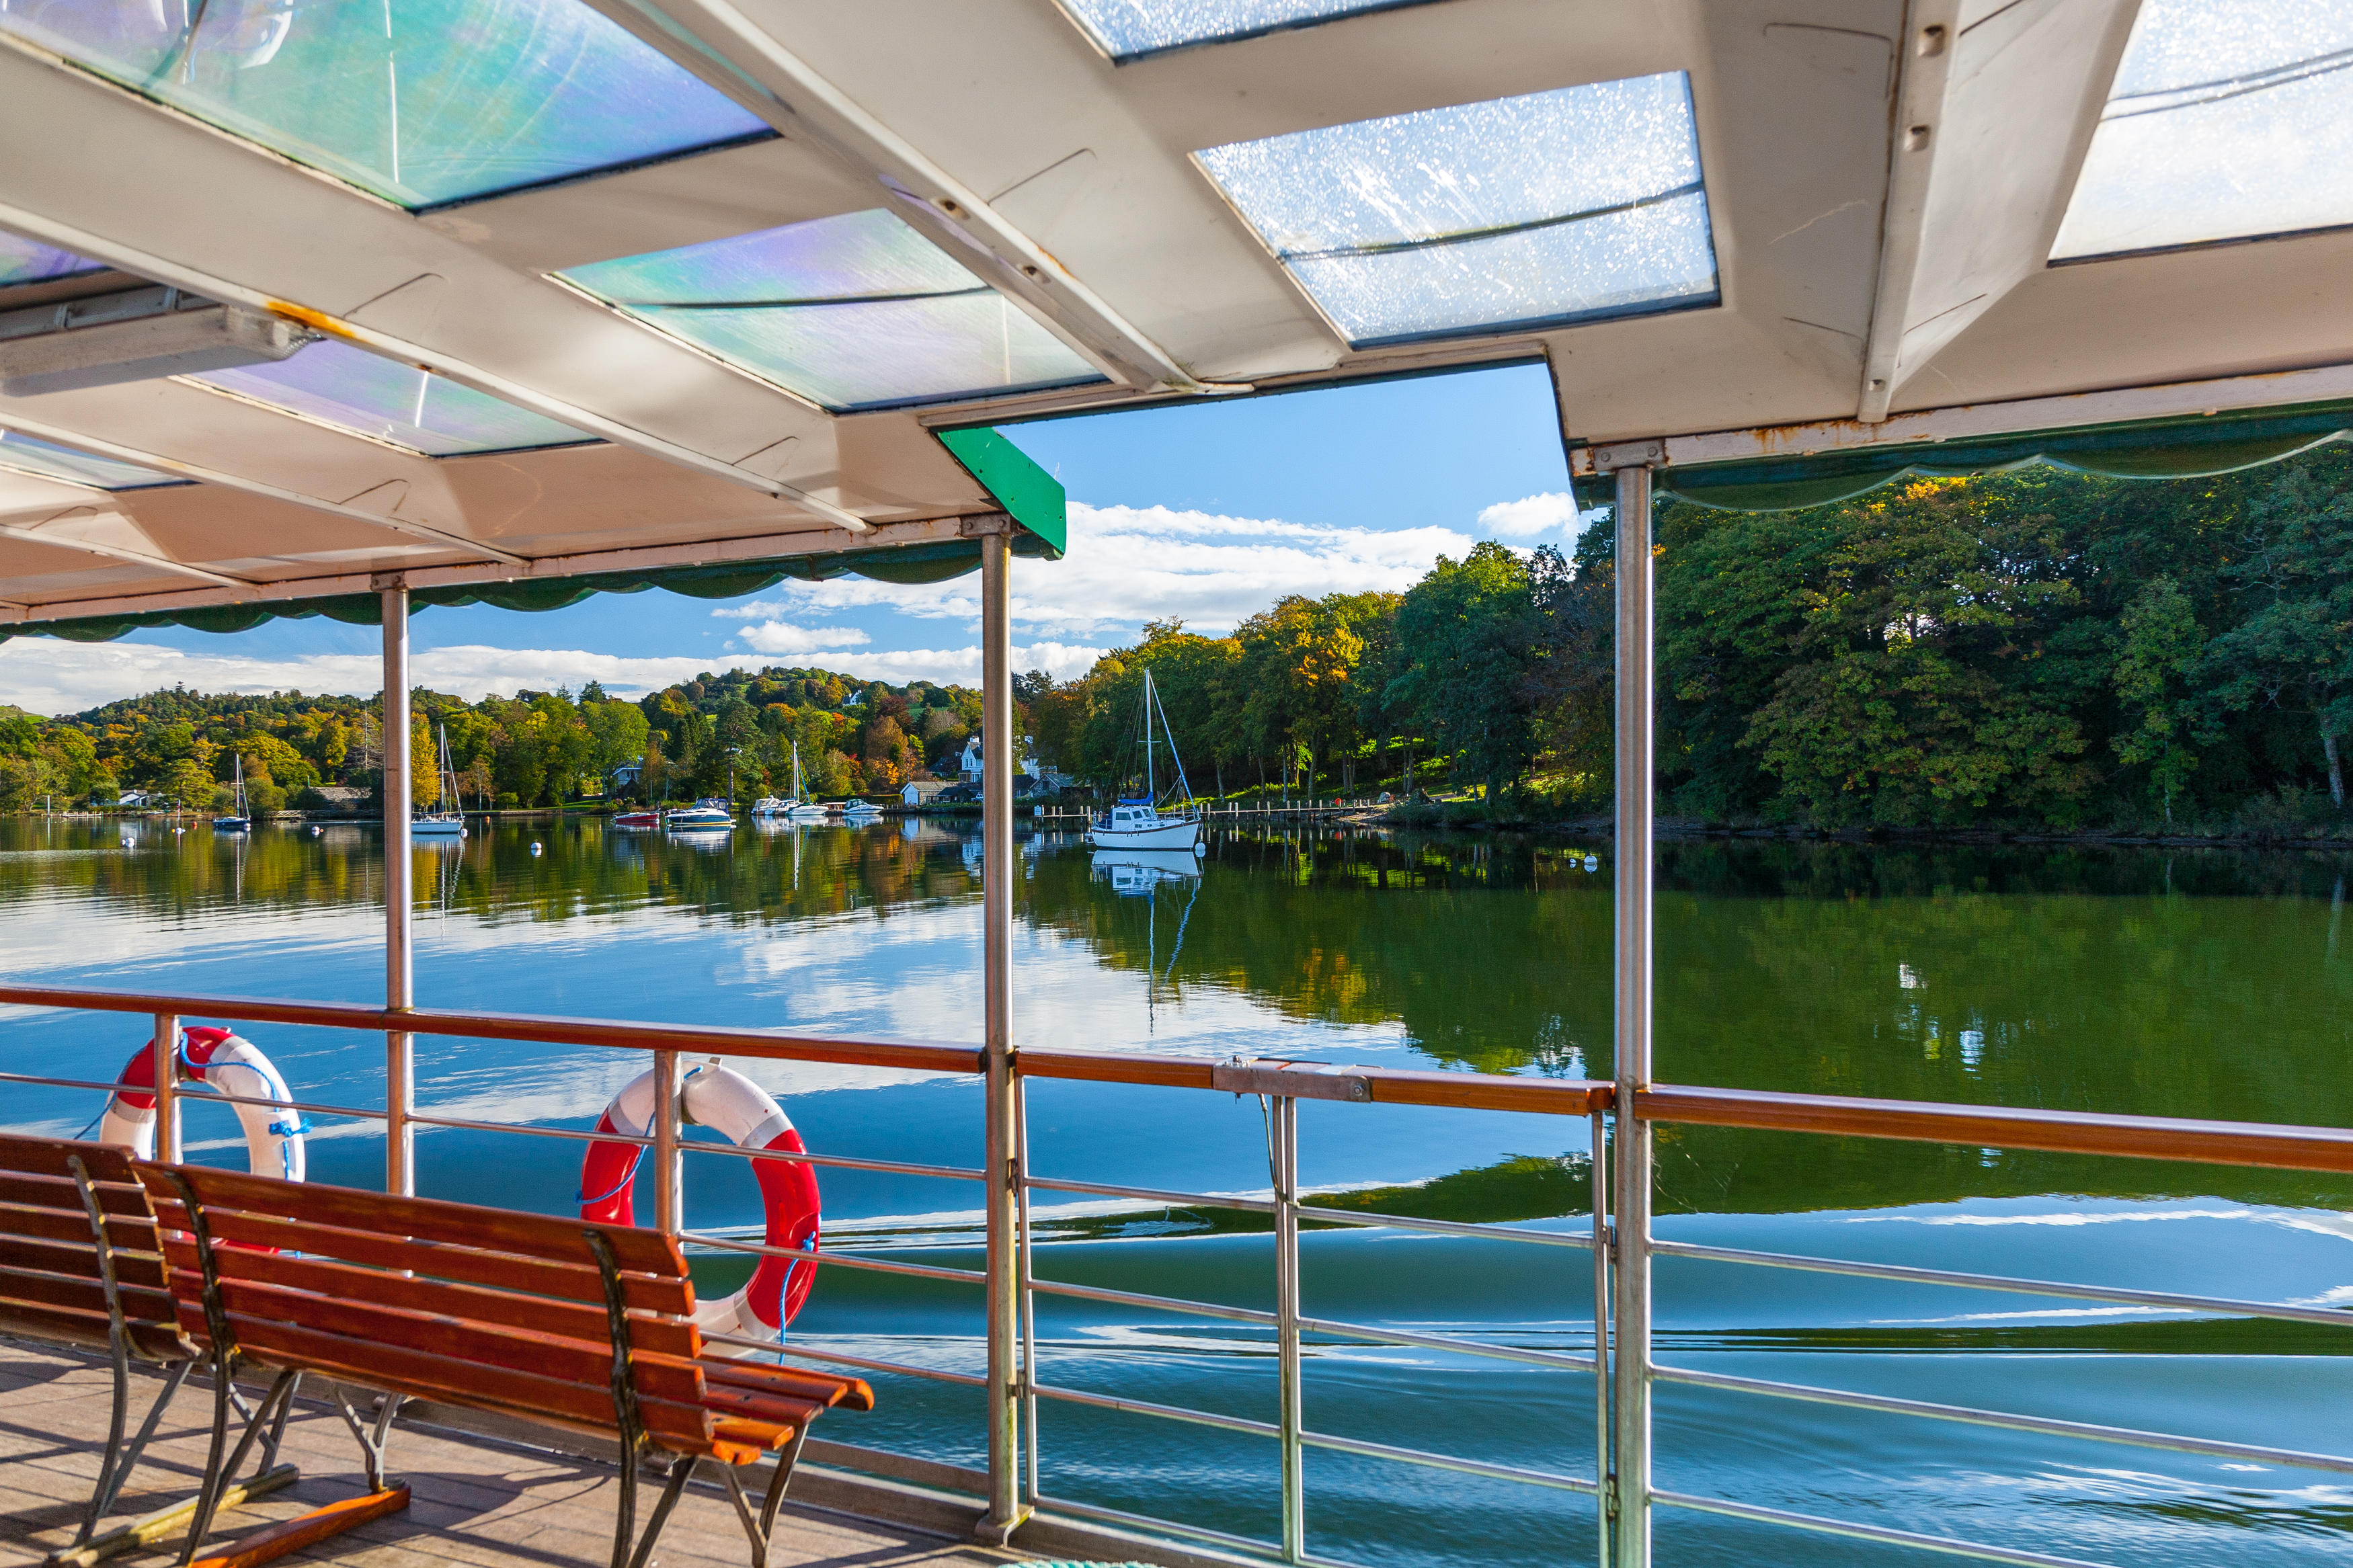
520, 299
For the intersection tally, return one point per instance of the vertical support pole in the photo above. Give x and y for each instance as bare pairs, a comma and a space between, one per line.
1285, 1126
668, 1209
1599, 1171
1031, 1486
1630, 1047
999, 870
167, 1088
399, 971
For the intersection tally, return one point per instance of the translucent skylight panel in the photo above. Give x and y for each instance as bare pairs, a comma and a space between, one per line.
45, 461
24, 261
1129, 29
1558, 206
421, 102
354, 390
854, 311
2229, 118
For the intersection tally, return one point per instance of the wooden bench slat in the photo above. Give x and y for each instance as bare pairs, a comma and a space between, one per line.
145, 1268
73, 1224
140, 1304
664, 1335
403, 1369
583, 1362
788, 1382
128, 1200
47, 1157
430, 1219
570, 1281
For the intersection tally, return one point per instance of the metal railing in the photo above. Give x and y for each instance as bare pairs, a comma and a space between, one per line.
1618, 1241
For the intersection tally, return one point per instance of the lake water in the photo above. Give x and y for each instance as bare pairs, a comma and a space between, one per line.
2189, 983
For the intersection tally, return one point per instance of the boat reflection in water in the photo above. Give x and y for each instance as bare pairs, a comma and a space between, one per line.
1139, 872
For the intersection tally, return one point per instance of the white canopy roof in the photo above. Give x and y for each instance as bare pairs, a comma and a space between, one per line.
618, 285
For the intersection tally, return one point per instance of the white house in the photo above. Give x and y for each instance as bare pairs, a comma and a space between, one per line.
970, 765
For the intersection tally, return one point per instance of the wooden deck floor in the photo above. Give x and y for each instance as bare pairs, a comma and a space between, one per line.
474, 1504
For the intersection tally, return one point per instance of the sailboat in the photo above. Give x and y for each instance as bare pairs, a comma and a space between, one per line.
444, 820
797, 806
240, 823
1137, 822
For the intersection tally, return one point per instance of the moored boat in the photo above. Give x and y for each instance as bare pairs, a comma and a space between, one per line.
704, 816
445, 820
1138, 822
239, 822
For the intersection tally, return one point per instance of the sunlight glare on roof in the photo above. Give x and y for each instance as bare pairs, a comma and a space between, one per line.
1575, 204
47, 461
421, 102
384, 400
2229, 118
1130, 29
854, 311
24, 261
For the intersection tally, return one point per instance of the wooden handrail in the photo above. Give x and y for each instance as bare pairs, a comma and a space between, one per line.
2273, 1146
1487, 1092
2270, 1145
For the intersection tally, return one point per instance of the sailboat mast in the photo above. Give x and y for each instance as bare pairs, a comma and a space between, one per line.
1151, 790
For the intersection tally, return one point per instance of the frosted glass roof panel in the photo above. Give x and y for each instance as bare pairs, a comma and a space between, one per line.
354, 390
854, 311
1129, 29
1580, 203
24, 261
2229, 118
29, 456
421, 102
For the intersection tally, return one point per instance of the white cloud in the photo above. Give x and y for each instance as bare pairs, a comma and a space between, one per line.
46, 676
1130, 565
961, 665
784, 638
1532, 515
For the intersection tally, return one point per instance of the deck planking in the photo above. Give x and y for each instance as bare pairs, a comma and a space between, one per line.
473, 1504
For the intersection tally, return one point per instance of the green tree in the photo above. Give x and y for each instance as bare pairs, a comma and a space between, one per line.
1464, 649
2295, 651
2161, 646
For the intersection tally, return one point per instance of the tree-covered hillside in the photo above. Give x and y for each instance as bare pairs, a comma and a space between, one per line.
534, 748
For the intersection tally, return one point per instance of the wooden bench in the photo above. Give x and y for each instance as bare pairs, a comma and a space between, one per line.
80, 1265
581, 1327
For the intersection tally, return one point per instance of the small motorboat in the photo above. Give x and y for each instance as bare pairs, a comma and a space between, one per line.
704, 816
858, 813
645, 818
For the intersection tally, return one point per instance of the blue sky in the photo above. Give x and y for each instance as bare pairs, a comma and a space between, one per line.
1205, 512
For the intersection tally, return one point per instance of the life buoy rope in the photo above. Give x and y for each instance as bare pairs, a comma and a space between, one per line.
746, 1114
230, 1062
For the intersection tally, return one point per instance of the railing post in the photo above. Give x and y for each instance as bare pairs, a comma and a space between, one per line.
1285, 1127
399, 968
167, 1088
1631, 1052
1030, 1484
998, 871
668, 1217
1600, 1171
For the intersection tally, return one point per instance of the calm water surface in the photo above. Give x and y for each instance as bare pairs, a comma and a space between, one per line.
2187, 984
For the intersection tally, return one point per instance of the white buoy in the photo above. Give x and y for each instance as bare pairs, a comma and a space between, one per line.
1591, 864
316, 830
126, 841
535, 846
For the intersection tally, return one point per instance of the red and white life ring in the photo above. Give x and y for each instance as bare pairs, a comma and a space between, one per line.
232, 1064
732, 1105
